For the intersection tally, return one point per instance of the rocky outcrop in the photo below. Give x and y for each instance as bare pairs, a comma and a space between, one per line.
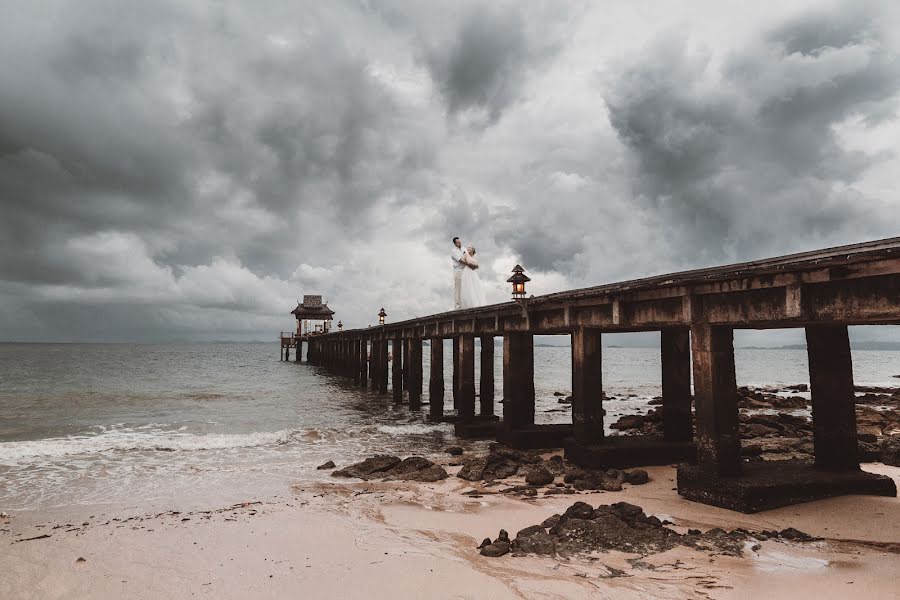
622, 527
391, 468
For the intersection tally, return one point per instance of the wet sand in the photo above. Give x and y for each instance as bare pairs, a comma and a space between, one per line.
417, 540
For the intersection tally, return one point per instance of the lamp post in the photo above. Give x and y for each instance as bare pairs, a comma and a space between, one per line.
381, 316
518, 280
340, 326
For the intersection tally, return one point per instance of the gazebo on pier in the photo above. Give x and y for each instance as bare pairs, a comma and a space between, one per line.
313, 318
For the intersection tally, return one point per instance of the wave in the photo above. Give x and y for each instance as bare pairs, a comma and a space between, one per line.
415, 429
123, 441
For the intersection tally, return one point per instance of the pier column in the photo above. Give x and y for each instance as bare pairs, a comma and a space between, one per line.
486, 385
455, 371
354, 360
675, 354
397, 369
382, 366
587, 386
363, 362
373, 363
407, 377
299, 350
833, 399
518, 380
465, 397
349, 360
414, 355
436, 380
715, 391
287, 353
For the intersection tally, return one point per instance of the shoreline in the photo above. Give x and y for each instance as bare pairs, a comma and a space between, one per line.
369, 539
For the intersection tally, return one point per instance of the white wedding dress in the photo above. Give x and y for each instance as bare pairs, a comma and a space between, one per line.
471, 292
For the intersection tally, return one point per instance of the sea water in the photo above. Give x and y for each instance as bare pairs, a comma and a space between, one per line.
223, 422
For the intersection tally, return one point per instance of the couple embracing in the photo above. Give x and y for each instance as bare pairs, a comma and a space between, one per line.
467, 289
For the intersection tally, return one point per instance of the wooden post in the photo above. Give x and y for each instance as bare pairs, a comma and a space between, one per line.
455, 371
518, 380
299, 349
382, 366
466, 394
587, 386
675, 355
414, 355
833, 399
363, 362
397, 369
486, 385
436, 380
715, 396
354, 360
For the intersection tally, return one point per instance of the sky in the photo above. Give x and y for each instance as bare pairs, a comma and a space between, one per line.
178, 170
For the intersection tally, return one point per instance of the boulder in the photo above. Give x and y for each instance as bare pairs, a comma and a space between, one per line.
628, 422
369, 467
454, 450
889, 450
538, 475
496, 549
637, 477
537, 543
329, 465
530, 530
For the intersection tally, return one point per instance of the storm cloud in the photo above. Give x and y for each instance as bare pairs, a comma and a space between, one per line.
180, 170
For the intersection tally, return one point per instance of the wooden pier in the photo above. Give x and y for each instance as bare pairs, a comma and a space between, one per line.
696, 312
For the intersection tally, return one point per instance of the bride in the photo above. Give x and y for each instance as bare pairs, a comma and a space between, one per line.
471, 291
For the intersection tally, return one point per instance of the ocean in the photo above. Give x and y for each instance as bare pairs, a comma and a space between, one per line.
205, 423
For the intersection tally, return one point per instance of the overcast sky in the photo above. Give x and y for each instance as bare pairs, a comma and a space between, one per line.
187, 170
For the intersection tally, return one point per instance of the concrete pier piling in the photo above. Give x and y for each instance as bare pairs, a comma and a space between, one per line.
397, 366
436, 381
414, 371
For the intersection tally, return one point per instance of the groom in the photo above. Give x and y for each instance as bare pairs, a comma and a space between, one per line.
457, 257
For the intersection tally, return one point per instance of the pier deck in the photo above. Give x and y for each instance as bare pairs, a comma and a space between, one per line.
697, 311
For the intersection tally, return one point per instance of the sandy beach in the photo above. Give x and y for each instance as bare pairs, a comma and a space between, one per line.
353, 539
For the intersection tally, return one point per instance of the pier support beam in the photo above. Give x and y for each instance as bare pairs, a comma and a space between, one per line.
715, 389
382, 366
363, 362
486, 385
397, 366
354, 360
587, 386
833, 398
373, 363
405, 375
675, 354
518, 380
414, 356
455, 371
466, 394
436, 381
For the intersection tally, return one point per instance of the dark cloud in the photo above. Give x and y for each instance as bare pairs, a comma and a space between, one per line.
483, 67
738, 156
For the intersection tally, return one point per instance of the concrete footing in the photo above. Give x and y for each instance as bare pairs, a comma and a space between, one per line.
481, 427
534, 436
766, 485
626, 451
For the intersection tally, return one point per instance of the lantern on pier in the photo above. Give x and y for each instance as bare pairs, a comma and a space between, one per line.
340, 326
381, 316
518, 280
